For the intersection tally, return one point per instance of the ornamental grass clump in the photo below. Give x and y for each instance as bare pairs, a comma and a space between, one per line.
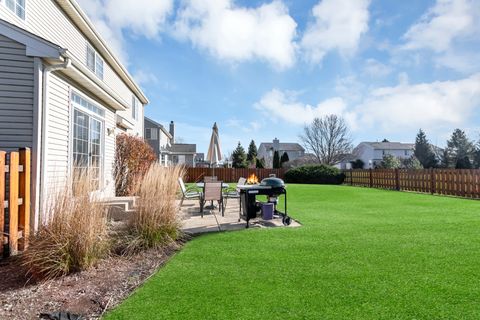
156, 222
74, 236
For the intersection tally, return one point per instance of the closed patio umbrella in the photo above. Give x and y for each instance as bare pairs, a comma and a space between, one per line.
214, 154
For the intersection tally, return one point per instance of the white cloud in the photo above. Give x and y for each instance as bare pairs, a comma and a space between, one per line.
237, 34
445, 22
284, 106
113, 17
338, 25
375, 68
425, 105
438, 106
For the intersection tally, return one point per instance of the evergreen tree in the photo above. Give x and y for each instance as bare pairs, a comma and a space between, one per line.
445, 160
411, 163
260, 163
276, 160
460, 149
284, 159
476, 156
357, 164
239, 158
252, 152
423, 151
390, 162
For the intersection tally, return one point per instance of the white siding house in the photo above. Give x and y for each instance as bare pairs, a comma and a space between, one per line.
371, 153
63, 93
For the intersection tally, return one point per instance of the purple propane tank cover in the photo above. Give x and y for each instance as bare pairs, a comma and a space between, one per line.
267, 211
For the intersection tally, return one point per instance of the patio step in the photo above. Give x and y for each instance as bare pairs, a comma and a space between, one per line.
119, 208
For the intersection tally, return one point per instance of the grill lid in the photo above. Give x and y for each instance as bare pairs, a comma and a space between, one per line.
273, 182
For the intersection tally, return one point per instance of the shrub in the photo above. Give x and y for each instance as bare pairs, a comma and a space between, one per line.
390, 162
74, 237
155, 222
315, 174
133, 157
358, 164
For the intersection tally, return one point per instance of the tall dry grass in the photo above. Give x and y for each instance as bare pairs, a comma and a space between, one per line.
156, 222
75, 235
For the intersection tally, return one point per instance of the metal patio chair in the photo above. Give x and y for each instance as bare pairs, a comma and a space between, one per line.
213, 192
188, 193
210, 179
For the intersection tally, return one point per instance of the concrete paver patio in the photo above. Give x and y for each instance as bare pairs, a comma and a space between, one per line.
212, 220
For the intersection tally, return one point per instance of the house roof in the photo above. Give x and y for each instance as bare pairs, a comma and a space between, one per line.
183, 148
75, 12
161, 127
283, 146
390, 145
35, 45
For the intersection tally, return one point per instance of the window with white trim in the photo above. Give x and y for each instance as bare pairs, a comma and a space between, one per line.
87, 140
94, 61
151, 134
135, 104
17, 6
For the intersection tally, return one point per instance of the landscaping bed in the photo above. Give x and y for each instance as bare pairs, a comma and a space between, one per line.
88, 293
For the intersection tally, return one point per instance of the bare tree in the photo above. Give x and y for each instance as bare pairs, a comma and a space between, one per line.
328, 138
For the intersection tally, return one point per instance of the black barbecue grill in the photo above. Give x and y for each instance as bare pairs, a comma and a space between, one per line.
271, 187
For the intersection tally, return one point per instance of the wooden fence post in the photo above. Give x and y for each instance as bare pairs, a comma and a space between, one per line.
371, 177
432, 181
397, 180
24, 210
2, 201
13, 203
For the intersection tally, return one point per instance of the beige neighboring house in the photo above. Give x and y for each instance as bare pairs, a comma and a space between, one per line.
63, 93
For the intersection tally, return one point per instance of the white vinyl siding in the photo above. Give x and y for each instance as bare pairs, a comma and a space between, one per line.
60, 134
16, 96
45, 19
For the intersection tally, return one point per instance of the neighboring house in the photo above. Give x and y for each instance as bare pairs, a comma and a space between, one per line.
266, 150
346, 162
200, 161
159, 139
64, 94
163, 143
183, 154
371, 153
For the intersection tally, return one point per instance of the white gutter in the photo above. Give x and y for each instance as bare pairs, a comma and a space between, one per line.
45, 115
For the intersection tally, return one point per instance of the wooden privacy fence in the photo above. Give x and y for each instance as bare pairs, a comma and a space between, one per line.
230, 174
454, 182
14, 200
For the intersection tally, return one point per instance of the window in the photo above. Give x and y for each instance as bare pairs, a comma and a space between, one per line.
134, 108
17, 6
151, 133
94, 61
406, 152
87, 141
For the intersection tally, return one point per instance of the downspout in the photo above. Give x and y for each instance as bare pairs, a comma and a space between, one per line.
45, 115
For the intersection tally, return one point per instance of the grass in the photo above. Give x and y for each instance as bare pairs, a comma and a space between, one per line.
361, 254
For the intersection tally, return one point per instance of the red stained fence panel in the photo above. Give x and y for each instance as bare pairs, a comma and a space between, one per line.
453, 182
230, 174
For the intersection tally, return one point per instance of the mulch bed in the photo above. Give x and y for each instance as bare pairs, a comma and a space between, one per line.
89, 293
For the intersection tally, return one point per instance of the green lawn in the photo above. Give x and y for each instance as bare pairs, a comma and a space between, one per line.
361, 254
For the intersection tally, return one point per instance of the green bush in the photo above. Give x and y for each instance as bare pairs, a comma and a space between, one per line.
315, 174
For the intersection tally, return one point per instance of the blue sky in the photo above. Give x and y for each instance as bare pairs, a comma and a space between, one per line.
262, 69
